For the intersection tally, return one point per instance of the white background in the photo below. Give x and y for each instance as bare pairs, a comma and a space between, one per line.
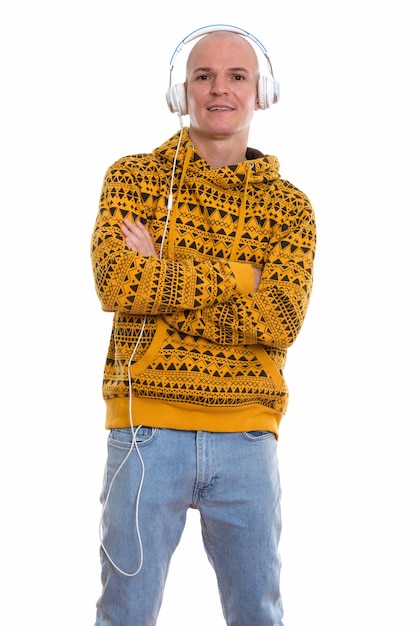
84, 83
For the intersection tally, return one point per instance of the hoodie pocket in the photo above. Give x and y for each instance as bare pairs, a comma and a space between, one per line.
269, 365
155, 346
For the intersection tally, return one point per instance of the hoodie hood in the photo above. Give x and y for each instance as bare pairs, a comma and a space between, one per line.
197, 184
258, 168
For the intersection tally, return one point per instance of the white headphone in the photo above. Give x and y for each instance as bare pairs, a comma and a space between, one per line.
268, 87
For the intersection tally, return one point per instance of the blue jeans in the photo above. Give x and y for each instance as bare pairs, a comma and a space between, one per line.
232, 479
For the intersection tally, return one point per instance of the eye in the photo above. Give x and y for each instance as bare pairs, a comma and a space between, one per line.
203, 77
238, 77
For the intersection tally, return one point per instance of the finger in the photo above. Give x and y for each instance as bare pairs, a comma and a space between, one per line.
134, 228
137, 238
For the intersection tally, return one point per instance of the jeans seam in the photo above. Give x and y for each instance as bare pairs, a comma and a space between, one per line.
212, 558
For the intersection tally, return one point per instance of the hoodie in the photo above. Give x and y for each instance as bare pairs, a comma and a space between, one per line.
193, 346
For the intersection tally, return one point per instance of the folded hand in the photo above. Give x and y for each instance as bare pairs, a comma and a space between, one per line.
138, 238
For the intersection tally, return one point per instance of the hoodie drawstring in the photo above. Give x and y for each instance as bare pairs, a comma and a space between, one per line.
243, 209
188, 156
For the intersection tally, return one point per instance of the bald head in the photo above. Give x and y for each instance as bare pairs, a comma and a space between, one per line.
233, 46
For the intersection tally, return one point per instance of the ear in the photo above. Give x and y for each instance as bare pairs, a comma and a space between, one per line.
186, 108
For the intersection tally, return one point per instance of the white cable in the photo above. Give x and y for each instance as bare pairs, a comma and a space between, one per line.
134, 443
170, 193
138, 533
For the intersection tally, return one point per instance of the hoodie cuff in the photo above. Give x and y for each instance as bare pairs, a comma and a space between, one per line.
244, 275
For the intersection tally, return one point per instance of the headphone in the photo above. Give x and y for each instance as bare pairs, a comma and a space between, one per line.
268, 87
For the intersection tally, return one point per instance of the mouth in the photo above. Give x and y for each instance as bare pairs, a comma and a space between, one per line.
211, 109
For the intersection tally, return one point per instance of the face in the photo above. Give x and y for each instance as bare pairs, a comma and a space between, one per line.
221, 86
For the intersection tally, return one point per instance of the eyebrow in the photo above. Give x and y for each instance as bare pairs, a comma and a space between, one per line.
229, 69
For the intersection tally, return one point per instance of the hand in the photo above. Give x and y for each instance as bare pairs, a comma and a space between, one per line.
138, 238
257, 277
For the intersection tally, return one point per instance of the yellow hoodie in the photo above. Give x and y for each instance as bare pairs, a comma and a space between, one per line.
193, 347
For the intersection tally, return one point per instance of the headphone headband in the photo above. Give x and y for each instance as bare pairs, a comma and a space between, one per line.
213, 28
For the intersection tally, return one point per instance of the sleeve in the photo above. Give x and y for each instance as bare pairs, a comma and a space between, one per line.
274, 314
127, 281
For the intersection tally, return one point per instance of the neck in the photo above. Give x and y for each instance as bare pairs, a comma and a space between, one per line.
220, 151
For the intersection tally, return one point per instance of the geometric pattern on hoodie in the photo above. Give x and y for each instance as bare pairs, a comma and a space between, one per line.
203, 343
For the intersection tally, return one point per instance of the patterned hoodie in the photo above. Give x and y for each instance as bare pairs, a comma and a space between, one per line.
193, 347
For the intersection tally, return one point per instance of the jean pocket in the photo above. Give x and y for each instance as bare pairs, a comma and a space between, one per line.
258, 435
123, 437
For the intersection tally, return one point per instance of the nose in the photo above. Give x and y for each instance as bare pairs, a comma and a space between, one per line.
218, 86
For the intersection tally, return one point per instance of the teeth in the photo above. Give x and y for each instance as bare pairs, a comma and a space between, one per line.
220, 109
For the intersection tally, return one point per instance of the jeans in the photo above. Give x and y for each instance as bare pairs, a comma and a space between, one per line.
232, 479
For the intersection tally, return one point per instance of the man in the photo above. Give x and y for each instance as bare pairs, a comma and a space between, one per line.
205, 257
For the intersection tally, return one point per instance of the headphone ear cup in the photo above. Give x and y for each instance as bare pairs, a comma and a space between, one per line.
268, 92
176, 99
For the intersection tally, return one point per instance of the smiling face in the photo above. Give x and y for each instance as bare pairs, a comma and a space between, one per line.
221, 87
